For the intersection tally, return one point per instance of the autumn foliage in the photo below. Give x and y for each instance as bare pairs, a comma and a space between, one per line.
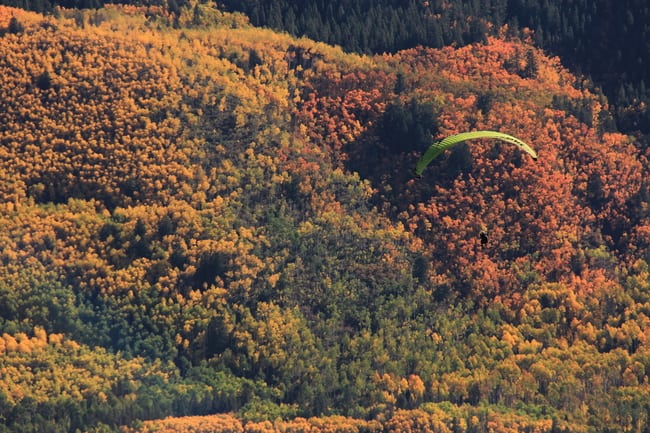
213, 227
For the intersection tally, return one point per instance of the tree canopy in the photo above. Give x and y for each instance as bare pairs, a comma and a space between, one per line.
206, 219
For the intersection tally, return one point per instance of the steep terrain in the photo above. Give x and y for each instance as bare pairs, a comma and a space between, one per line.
200, 217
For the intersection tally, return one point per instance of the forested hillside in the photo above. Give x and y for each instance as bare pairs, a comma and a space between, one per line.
609, 42
218, 223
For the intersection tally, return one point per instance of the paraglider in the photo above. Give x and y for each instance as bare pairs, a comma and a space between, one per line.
440, 146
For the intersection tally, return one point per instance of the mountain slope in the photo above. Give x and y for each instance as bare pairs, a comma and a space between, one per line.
607, 42
207, 217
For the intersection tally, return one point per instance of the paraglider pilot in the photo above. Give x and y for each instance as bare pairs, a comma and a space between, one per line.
484, 237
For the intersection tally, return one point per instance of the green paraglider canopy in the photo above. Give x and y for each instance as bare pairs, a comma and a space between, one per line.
440, 146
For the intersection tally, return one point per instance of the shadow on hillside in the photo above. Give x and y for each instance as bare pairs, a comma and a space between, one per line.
391, 171
388, 151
